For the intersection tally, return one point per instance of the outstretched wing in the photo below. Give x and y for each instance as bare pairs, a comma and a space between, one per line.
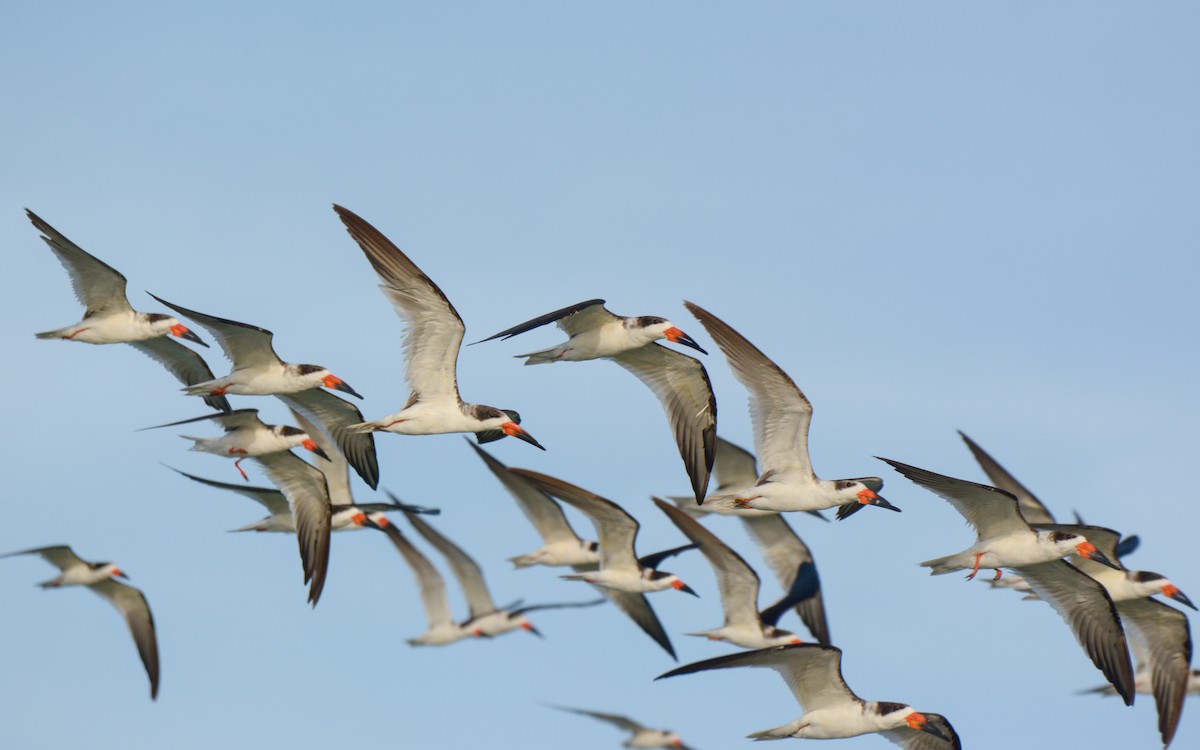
244, 345
335, 415
131, 603
779, 410
435, 330
308, 495
1034, 510
1082, 601
681, 383
812, 671
992, 511
97, 285
584, 315
185, 364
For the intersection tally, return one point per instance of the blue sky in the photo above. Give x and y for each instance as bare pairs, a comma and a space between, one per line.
934, 216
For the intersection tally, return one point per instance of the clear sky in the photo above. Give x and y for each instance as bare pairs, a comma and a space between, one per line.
934, 216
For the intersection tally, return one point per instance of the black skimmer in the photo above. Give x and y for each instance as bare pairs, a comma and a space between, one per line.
640, 736
738, 584
785, 552
1005, 540
99, 577
431, 344
1159, 635
560, 544
443, 628
831, 709
109, 319
486, 619
562, 547
624, 578
620, 567
258, 371
247, 436
781, 414
680, 382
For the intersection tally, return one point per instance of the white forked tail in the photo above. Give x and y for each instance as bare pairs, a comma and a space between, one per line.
778, 733
524, 561
942, 565
199, 443
543, 357
262, 525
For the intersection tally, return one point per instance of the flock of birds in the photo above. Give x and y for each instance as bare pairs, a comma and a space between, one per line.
1075, 568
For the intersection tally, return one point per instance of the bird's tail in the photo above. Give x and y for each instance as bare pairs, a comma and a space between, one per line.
57, 333
716, 504
198, 443
543, 357
778, 733
256, 526
942, 565
523, 561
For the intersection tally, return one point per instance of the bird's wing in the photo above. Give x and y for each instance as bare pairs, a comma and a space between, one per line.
915, 739
638, 609
59, 555
131, 603
1085, 605
681, 383
545, 514
812, 671
622, 722
1032, 509
334, 416
587, 314
1162, 634
616, 528
228, 421
435, 330
466, 570
654, 559
244, 345
429, 580
98, 286
185, 364
733, 466
736, 580
779, 410
308, 497
514, 611
993, 512
792, 562
272, 499
335, 468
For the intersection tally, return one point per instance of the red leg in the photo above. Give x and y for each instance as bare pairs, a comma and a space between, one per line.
976, 568
238, 465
